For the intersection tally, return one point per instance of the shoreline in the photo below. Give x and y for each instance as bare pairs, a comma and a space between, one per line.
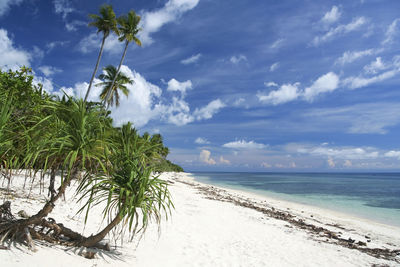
314, 216
212, 226
279, 198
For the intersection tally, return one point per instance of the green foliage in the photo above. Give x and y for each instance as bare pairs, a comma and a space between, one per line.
128, 27
129, 188
164, 165
119, 85
106, 22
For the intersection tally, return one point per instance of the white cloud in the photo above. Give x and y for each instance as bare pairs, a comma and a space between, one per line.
5, 5
72, 26
326, 83
266, 165
145, 103
340, 30
270, 84
331, 16
331, 163
49, 70
11, 57
277, 44
274, 66
191, 60
350, 56
63, 7
224, 161
347, 163
152, 21
93, 42
174, 85
237, 59
391, 32
285, 93
205, 157
201, 141
50, 46
340, 153
207, 112
358, 82
375, 66
242, 144
46, 83
393, 154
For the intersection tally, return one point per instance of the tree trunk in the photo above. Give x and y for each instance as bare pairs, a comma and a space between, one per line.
108, 95
95, 69
92, 240
49, 206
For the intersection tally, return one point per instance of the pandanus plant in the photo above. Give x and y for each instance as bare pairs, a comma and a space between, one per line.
129, 190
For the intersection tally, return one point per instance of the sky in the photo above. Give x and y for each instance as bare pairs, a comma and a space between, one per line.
234, 85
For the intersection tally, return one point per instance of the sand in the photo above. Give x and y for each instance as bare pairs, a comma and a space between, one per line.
210, 227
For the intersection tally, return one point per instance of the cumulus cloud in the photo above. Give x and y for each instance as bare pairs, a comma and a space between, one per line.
12, 57
285, 93
237, 59
270, 84
201, 141
49, 70
347, 163
340, 30
326, 83
242, 144
174, 85
391, 32
224, 161
191, 60
331, 163
63, 7
331, 16
6, 4
265, 165
393, 154
92, 42
145, 102
274, 66
205, 157
350, 56
152, 21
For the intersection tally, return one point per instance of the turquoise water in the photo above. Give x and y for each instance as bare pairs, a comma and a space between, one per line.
375, 196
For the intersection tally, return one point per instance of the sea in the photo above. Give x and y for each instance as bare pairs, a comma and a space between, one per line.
374, 196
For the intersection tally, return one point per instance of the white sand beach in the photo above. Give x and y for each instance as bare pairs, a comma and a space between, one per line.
214, 227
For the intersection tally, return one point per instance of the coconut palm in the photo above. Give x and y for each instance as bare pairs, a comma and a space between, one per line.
105, 23
130, 190
112, 84
128, 29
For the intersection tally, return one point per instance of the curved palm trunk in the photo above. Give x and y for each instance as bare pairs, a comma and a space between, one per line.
93, 240
116, 75
49, 206
97, 66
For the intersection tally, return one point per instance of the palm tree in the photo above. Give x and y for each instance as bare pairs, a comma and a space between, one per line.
128, 28
105, 23
131, 190
111, 89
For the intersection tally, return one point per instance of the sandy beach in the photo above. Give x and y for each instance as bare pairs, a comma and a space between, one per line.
212, 226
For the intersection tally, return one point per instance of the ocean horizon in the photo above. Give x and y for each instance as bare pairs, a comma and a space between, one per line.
373, 196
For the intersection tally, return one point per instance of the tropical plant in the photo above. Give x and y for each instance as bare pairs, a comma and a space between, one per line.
130, 190
128, 29
110, 89
105, 23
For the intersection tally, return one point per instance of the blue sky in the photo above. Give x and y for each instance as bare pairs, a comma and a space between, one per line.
234, 85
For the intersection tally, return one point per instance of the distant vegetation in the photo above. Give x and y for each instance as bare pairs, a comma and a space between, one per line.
53, 135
